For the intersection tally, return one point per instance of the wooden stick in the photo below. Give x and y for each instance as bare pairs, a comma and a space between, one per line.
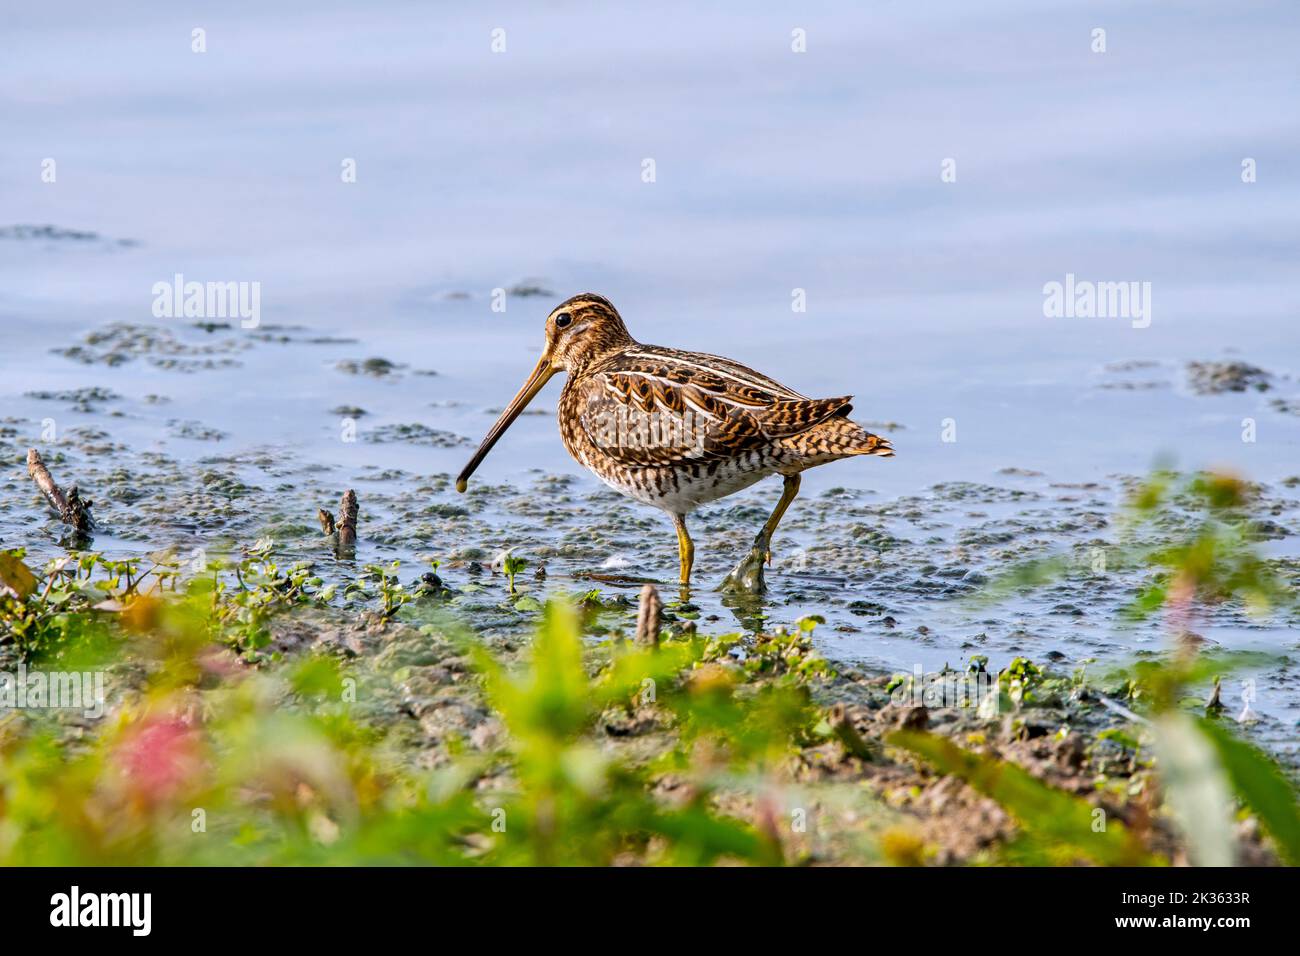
611, 578
1214, 706
347, 522
649, 616
838, 718
326, 521
72, 508
41, 475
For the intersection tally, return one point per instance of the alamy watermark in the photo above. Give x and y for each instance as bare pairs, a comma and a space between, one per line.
208, 300
53, 690
75, 908
1084, 299
633, 429
947, 689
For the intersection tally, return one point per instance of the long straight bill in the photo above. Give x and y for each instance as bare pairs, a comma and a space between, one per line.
540, 376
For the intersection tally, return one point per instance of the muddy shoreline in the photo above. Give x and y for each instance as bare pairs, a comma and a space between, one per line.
901, 584
899, 579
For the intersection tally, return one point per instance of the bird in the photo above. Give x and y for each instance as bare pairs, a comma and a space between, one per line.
677, 429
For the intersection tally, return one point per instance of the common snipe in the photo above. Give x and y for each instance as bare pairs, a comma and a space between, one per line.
679, 429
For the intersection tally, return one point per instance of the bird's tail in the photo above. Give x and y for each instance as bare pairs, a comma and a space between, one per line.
840, 437
868, 444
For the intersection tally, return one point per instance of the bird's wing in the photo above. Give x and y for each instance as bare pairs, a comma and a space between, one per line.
654, 406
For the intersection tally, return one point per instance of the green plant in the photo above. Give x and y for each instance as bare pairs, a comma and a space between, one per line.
278, 767
574, 803
1063, 828
1204, 553
513, 565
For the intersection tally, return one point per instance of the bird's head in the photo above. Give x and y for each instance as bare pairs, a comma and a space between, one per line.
579, 331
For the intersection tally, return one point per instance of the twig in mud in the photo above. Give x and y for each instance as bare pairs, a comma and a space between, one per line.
72, 508
347, 521
1122, 710
343, 529
847, 734
649, 616
611, 578
1214, 706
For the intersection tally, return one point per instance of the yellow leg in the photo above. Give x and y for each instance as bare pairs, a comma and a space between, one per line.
788, 492
685, 549
747, 576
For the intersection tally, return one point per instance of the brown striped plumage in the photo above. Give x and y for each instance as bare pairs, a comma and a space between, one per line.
677, 429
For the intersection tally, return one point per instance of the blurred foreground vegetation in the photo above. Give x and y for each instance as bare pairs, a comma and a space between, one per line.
220, 747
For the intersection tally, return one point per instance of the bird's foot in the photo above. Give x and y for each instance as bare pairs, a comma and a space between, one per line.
747, 576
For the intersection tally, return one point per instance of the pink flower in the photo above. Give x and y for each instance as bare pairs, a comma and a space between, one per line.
158, 758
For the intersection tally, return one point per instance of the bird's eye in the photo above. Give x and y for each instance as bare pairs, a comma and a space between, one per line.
563, 319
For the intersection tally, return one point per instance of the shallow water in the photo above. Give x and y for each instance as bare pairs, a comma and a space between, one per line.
774, 171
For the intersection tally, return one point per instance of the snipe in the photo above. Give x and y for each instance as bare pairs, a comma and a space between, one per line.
679, 429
